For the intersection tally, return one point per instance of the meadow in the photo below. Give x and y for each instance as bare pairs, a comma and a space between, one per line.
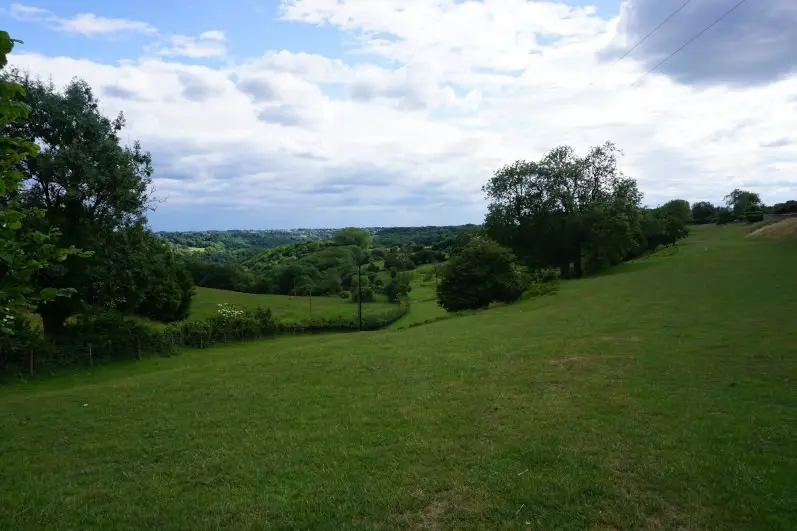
658, 395
287, 309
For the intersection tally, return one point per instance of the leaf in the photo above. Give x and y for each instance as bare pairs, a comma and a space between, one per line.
48, 293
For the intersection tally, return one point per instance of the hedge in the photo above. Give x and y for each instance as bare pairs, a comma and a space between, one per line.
111, 337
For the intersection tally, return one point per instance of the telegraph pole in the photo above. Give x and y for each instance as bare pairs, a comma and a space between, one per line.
360, 293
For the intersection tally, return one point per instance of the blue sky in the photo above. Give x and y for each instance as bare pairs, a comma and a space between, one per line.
323, 113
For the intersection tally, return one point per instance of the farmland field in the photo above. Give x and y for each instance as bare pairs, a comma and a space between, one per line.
286, 308
660, 395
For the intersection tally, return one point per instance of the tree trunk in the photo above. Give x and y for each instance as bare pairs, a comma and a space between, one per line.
54, 315
579, 262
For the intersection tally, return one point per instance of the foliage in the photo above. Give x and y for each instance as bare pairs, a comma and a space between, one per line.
741, 201
724, 216
789, 207
425, 236
353, 236
754, 216
482, 273
25, 250
675, 214
88, 186
399, 261
399, 287
228, 246
366, 291
703, 212
564, 209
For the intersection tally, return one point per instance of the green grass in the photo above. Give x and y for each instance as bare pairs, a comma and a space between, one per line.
659, 396
285, 308
423, 305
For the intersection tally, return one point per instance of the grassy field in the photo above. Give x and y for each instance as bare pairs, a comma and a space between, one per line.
658, 396
285, 308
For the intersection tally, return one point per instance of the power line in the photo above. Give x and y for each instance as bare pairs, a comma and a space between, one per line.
690, 41
646, 37
654, 30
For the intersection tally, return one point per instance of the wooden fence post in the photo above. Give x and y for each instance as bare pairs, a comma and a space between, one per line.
91, 357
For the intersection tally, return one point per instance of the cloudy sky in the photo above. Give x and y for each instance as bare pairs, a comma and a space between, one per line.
324, 113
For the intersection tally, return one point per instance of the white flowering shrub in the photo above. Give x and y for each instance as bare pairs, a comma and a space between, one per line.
229, 312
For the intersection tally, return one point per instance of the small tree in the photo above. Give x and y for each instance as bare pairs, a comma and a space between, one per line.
354, 236
483, 272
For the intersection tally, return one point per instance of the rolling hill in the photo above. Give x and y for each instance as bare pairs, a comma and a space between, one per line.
659, 395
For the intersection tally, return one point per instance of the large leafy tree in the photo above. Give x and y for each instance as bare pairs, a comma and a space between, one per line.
565, 209
26, 245
90, 187
742, 201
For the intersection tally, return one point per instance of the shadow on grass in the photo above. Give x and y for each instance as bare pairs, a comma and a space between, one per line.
627, 267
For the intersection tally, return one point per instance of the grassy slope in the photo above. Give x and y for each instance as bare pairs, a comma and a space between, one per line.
285, 308
658, 396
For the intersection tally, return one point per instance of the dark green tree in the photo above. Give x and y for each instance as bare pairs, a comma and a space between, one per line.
163, 282
703, 212
483, 272
676, 215
564, 209
89, 187
742, 201
724, 215
354, 236
27, 246
399, 287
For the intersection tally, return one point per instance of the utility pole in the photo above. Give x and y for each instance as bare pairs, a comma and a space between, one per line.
360, 293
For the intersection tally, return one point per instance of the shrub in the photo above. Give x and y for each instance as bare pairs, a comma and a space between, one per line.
723, 216
345, 294
367, 293
754, 216
483, 272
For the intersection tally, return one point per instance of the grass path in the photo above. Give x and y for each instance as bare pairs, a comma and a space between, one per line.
659, 396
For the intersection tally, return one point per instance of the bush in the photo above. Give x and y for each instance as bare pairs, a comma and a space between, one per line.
483, 272
345, 295
754, 216
367, 293
724, 216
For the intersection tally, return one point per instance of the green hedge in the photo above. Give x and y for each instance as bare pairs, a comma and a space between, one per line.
111, 337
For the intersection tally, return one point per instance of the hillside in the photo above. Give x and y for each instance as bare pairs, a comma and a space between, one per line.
658, 395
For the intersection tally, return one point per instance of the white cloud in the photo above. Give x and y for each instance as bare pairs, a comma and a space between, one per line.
414, 119
208, 45
83, 23
213, 35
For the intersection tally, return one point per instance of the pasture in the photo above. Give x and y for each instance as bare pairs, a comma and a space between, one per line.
660, 395
285, 308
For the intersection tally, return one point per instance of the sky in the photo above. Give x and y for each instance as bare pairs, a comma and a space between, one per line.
328, 113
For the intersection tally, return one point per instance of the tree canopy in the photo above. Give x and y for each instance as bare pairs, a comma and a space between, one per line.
26, 245
94, 190
565, 209
742, 201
